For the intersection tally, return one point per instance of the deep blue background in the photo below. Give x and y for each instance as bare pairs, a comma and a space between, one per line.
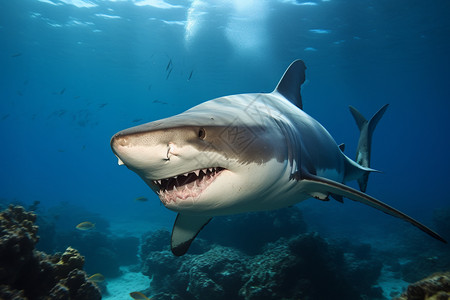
75, 72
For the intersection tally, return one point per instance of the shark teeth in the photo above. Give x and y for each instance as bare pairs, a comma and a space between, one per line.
186, 185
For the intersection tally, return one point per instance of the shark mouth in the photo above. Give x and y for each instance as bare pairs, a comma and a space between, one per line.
185, 186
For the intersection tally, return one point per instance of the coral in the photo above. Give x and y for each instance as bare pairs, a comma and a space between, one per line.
305, 266
68, 261
18, 235
217, 272
164, 265
29, 274
271, 272
74, 286
434, 287
213, 274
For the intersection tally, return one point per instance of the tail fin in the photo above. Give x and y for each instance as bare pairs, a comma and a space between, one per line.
366, 129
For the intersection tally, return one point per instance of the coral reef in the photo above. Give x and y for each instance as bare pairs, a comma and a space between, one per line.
26, 273
215, 273
305, 266
308, 267
434, 287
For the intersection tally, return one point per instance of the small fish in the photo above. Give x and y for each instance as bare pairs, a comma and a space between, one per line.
97, 278
103, 105
139, 296
159, 101
85, 226
149, 87
190, 75
169, 64
141, 199
136, 120
62, 91
17, 54
168, 74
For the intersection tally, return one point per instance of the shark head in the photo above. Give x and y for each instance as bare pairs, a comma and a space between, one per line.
204, 161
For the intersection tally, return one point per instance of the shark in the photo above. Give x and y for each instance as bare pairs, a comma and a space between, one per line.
245, 153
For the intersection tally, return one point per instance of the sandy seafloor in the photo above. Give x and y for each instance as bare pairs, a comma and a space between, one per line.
120, 288
391, 285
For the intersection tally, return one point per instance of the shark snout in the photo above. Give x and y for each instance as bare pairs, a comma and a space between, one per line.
119, 143
145, 154
118, 140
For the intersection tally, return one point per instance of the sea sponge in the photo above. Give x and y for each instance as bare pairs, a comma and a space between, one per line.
434, 287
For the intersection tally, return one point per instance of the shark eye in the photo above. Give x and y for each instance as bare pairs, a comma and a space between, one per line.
202, 133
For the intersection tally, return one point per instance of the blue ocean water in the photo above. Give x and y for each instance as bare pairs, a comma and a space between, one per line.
74, 72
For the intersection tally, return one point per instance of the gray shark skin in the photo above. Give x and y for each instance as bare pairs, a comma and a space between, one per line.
246, 152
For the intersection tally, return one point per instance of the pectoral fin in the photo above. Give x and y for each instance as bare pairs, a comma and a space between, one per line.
185, 230
315, 185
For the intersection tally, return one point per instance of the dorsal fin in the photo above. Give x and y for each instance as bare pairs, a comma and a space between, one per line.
290, 83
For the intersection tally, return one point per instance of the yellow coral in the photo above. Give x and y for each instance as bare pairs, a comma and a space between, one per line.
434, 287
